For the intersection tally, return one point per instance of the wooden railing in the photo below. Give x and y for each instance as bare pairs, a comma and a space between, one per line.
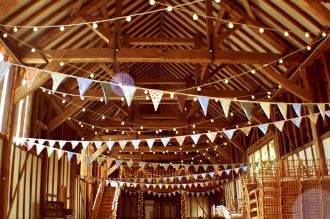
97, 201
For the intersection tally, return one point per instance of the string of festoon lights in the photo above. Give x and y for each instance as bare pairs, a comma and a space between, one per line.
170, 93
141, 127
167, 7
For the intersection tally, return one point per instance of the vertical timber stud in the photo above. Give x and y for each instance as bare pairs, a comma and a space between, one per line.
309, 82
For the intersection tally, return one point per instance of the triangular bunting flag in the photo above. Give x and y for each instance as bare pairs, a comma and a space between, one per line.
150, 142
245, 168
70, 155
180, 139
85, 144
79, 157
313, 117
181, 101
165, 141
61, 143
297, 108
39, 148
122, 144
296, 121
106, 91
266, 108
229, 133
283, 108
59, 154
118, 163
263, 128
321, 107
41, 141
57, 80
4, 67
51, 143
327, 113
98, 144
165, 165
110, 144
129, 92
50, 151
31, 75
196, 167
212, 136
154, 165
83, 85
204, 102
228, 171
247, 108
236, 170
279, 125
29, 145
176, 166
156, 97
225, 103
129, 163
142, 164
246, 130
195, 138
136, 143
74, 144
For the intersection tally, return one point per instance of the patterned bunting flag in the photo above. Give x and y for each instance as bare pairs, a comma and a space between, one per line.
83, 85
246, 130
266, 108
297, 108
129, 92
212, 136
180, 139
181, 101
156, 97
247, 108
229, 133
279, 125
31, 75
57, 80
225, 103
283, 109
204, 102
106, 91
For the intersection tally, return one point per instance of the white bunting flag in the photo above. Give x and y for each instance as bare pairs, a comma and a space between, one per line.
229, 133
165, 141
279, 125
83, 85
85, 144
51, 143
283, 109
136, 144
61, 143
122, 144
165, 165
129, 163
266, 108
263, 128
59, 154
296, 121
156, 97
39, 148
321, 108
247, 108
297, 108
110, 144
74, 144
150, 142
50, 151
31, 75
57, 80
98, 144
195, 138
204, 102
129, 92
212, 136
225, 103
4, 68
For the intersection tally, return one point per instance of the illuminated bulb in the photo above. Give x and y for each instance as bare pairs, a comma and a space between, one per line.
200, 161
174, 129
231, 25
93, 127
156, 132
237, 126
194, 126
131, 152
160, 130
195, 17
142, 152
226, 81
49, 92
216, 100
62, 28
207, 149
199, 88
223, 129
128, 18
122, 132
306, 34
194, 132
279, 86
103, 117
91, 75
35, 29
195, 99
235, 99
95, 25
252, 97
64, 95
187, 152
192, 158
152, 2
141, 127
212, 120
268, 96
221, 136
249, 122
145, 91
83, 109
197, 151
61, 63
175, 153
122, 123
268, 92
217, 1
231, 114
82, 138
280, 61
122, 99
253, 71
308, 48
33, 50
5, 35
15, 29
324, 34
107, 130
286, 33
101, 99
177, 132
69, 118
193, 145
171, 95
261, 30
81, 126
82, 98
63, 101
79, 123
169, 8
139, 132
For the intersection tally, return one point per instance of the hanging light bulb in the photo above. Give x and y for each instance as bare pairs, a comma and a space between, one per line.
171, 95
63, 101
152, 2
15, 29
280, 61
217, 1
286, 33
122, 99
147, 97
62, 28
195, 17
91, 75
252, 97
212, 120
216, 100
169, 8
141, 127
231, 25
35, 29
93, 127
83, 109
306, 34
107, 130
103, 117
308, 48
195, 99
122, 123
253, 71
226, 81
5, 35
95, 25
101, 99
324, 34
128, 18
61, 63
261, 30
33, 50
64, 95
199, 88
194, 126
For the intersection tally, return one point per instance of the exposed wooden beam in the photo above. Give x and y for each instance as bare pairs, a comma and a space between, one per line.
105, 55
248, 9
209, 23
318, 9
156, 41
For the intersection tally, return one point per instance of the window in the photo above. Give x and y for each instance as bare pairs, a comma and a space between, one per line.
266, 153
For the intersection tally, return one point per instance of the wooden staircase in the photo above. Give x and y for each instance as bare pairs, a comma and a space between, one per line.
105, 209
